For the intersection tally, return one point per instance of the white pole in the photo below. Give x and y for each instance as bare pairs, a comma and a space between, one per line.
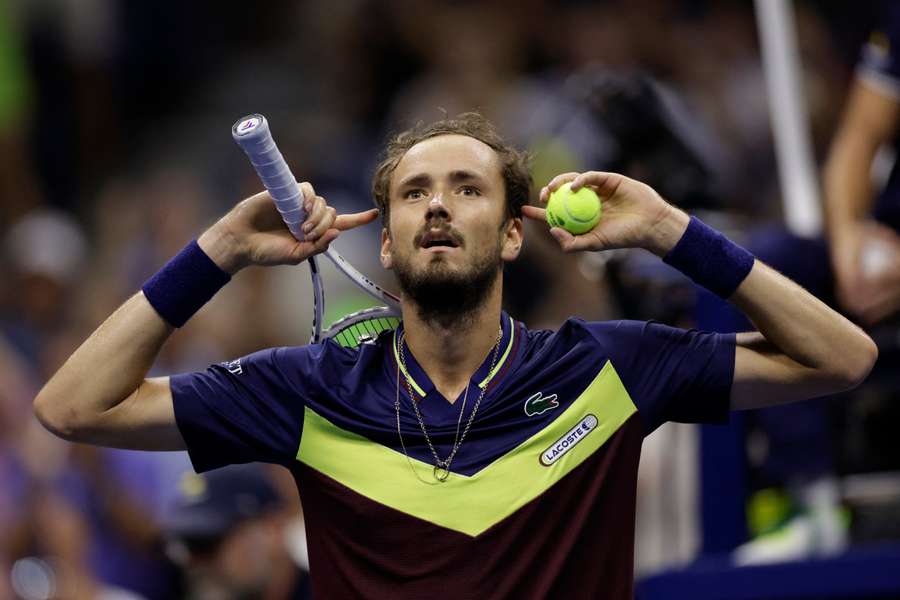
796, 167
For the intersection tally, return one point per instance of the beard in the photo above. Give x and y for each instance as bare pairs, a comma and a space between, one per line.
446, 296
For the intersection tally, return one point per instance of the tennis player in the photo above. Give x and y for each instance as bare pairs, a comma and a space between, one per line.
462, 455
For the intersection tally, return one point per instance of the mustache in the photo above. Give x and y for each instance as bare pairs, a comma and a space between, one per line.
444, 229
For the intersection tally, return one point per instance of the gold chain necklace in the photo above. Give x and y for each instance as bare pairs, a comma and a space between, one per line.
441, 469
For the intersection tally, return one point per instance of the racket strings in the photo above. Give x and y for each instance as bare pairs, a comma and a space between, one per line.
354, 334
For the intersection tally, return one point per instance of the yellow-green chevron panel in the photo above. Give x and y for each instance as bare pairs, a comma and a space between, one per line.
383, 474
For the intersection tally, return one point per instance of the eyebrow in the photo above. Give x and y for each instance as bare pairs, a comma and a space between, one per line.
416, 180
456, 176
462, 175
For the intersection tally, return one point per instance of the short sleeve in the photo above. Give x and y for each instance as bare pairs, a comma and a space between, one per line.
671, 374
245, 410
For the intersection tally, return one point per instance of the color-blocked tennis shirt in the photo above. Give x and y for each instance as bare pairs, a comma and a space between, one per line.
540, 499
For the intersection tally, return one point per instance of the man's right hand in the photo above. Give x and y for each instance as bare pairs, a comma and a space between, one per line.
252, 233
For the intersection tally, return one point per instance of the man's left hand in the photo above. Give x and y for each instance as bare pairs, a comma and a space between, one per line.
634, 215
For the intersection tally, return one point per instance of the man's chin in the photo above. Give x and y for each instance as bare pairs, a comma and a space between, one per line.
439, 274
438, 264
443, 286
431, 257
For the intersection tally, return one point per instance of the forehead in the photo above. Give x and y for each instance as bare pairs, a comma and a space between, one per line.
442, 155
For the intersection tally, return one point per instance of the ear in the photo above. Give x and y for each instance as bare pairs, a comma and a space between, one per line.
386, 242
512, 240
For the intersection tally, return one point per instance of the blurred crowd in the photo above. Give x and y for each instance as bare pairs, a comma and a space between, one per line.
115, 151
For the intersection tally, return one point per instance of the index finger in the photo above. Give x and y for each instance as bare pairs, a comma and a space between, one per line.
351, 220
556, 182
603, 183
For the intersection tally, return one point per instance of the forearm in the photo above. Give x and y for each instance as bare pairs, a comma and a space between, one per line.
795, 322
108, 367
804, 328
100, 395
116, 358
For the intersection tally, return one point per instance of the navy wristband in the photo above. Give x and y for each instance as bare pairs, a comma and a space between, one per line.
710, 259
184, 285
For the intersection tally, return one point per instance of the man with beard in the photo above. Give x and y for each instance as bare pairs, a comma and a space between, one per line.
461, 455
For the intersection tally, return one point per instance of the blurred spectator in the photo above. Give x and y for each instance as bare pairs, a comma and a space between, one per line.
226, 532
47, 543
863, 221
45, 252
854, 268
476, 64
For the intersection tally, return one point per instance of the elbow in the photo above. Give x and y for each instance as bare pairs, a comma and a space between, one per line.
856, 366
55, 417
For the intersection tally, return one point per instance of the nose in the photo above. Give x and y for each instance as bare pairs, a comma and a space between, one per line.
437, 208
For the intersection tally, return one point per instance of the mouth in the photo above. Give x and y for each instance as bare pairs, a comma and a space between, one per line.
439, 241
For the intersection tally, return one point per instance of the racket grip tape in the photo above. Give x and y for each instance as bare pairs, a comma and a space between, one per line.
253, 135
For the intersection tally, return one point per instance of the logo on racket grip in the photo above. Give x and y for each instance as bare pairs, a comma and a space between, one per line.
248, 125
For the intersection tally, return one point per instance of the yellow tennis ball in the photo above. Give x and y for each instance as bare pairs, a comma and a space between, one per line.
576, 212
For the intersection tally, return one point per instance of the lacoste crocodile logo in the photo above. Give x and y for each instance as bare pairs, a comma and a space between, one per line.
539, 404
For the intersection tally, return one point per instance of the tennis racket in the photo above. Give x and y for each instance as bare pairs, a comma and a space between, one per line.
252, 134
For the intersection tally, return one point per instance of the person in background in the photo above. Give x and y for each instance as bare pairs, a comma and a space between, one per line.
225, 532
862, 220
854, 267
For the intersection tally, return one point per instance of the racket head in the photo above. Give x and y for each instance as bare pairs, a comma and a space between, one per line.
363, 326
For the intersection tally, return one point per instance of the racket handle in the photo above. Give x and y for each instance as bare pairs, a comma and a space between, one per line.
252, 134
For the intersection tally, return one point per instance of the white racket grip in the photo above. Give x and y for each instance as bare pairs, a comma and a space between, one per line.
252, 134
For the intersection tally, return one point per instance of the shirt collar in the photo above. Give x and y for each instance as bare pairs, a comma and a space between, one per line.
420, 382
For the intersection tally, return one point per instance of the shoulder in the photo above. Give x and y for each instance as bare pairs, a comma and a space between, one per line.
622, 341
300, 367
575, 331
576, 343
328, 360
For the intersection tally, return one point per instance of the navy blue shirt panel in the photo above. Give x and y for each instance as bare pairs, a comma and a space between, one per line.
671, 374
245, 410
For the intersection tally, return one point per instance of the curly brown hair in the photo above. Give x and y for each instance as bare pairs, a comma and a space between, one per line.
514, 164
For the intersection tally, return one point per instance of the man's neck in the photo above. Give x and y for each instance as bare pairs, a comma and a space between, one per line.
450, 355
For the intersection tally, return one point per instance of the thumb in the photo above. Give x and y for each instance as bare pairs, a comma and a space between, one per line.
534, 212
573, 243
566, 240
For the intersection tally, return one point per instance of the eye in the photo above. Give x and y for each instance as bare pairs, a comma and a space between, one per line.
414, 194
468, 190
